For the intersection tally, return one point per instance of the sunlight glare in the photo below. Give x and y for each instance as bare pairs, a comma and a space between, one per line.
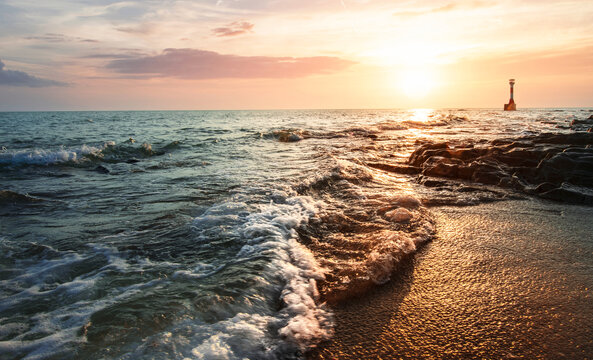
416, 83
421, 115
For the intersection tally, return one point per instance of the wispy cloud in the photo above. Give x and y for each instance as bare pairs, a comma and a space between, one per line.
20, 78
444, 8
126, 54
233, 29
59, 38
141, 29
201, 64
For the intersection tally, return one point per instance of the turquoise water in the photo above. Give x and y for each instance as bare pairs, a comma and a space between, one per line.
195, 233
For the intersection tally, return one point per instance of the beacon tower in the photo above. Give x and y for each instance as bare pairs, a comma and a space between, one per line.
511, 105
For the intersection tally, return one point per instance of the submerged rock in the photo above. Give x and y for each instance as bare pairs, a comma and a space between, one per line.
582, 125
12, 197
102, 169
289, 135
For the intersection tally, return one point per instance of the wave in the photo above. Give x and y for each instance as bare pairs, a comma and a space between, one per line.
364, 230
371, 132
11, 197
252, 295
57, 292
294, 135
286, 135
435, 120
109, 152
48, 157
292, 272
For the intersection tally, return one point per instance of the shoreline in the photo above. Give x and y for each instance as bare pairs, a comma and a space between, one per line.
509, 279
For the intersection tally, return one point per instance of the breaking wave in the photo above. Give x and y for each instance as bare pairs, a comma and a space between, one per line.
260, 302
109, 152
48, 157
364, 231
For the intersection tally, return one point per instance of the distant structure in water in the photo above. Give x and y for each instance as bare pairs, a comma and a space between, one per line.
511, 105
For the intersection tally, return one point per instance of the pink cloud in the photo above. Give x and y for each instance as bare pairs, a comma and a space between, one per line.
202, 64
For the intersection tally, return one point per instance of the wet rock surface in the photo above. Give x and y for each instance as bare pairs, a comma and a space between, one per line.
582, 124
552, 166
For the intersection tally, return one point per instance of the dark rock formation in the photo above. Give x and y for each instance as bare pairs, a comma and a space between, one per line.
553, 166
582, 125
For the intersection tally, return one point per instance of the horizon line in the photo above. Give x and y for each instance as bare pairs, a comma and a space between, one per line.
458, 108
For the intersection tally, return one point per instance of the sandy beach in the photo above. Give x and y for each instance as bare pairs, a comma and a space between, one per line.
502, 280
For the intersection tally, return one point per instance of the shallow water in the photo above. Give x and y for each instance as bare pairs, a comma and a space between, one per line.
211, 233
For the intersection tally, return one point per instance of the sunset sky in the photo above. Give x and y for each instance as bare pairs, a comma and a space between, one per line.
266, 54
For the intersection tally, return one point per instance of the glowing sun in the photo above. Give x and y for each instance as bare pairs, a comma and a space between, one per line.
416, 83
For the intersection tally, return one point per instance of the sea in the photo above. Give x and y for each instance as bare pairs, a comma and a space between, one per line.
233, 234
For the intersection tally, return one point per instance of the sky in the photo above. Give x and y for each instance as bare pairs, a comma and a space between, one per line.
281, 54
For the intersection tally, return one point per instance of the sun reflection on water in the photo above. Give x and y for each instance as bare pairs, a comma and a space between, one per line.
422, 115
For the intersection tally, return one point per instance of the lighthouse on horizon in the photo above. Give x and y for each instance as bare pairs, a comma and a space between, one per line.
511, 105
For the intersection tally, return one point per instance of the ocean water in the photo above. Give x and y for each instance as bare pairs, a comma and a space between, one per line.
213, 234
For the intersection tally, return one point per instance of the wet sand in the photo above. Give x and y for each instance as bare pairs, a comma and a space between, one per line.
510, 279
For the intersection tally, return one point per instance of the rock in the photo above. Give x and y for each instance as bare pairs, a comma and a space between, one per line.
427, 151
563, 139
400, 169
581, 125
568, 195
429, 182
289, 135
488, 177
560, 162
466, 153
294, 137
399, 215
519, 157
544, 187
523, 164
407, 202
101, 169
441, 169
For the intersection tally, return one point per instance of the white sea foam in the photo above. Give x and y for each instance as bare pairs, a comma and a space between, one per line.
68, 301
254, 328
201, 270
392, 247
48, 157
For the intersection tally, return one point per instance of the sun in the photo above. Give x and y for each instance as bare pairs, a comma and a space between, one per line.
416, 83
